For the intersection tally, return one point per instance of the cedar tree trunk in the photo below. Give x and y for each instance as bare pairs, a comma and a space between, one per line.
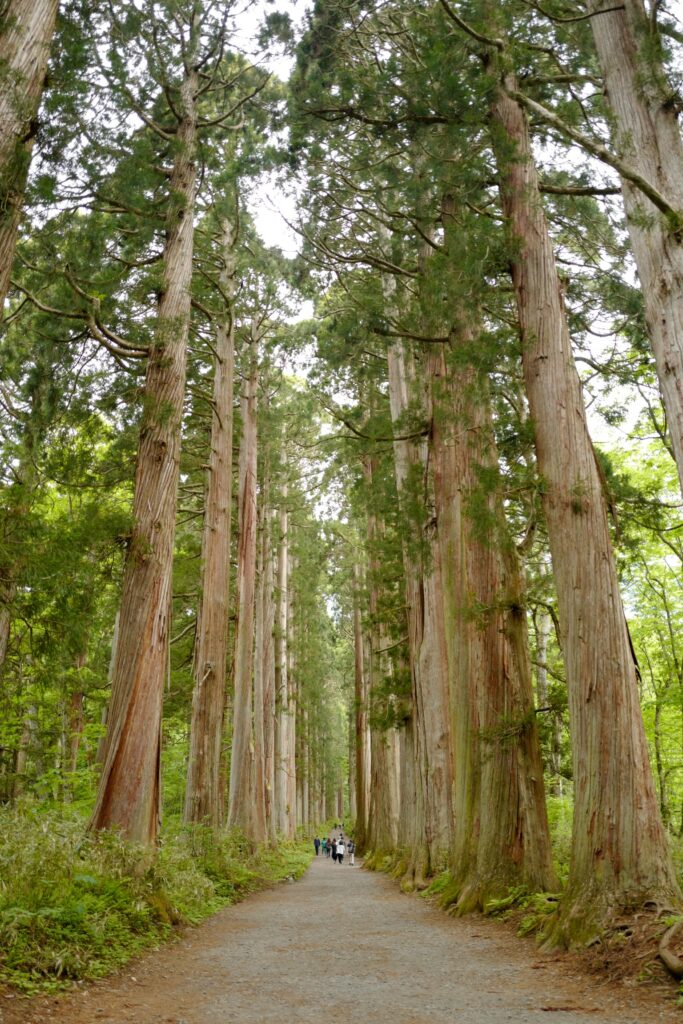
25, 37
501, 829
129, 791
281, 691
382, 836
620, 859
204, 786
246, 802
647, 134
426, 644
264, 667
360, 719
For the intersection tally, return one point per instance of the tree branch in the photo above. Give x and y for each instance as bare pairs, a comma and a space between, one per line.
575, 18
598, 150
498, 44
579, 190
413, 337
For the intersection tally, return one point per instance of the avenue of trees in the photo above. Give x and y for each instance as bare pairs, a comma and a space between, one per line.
414, 562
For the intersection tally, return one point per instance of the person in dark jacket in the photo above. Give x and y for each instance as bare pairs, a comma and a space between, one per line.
316, 843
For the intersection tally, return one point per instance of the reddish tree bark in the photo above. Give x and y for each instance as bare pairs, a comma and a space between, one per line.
264, 667
290, 747
282, 807
128, 796
501, 827
204, 788
647, 135
246, 807
432, 814
382, 836
360, 720
620, 859
25, 37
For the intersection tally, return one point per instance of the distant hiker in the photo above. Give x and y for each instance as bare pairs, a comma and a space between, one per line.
352, 853
340, 852
324, 846
316, 843
334, 849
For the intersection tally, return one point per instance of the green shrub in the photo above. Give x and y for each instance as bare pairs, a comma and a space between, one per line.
76, 906
560, 810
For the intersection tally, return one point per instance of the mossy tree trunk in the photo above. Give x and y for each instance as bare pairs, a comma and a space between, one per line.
620, 859
25, 36
129, 790
353, 808
360, 721
647, 134
431, 738
204, 796
382, 834
246, 805
501, 829
281, 685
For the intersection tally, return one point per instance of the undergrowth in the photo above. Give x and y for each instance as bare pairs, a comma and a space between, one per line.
76, 906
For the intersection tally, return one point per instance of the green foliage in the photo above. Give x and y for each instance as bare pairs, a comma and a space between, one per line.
380, 860
76, 906
503, 905
388, 111
531, 910
444, 889
560, 823
537, 907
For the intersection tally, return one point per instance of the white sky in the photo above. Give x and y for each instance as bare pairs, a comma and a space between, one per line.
271, 207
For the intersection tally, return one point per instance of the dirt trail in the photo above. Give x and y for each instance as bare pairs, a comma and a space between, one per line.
344, 945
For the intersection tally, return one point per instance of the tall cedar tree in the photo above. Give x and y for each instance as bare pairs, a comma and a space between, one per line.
25, 36
647, 135
191, 42
620, 858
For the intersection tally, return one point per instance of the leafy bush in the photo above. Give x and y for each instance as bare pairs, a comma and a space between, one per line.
560, 809
77, 906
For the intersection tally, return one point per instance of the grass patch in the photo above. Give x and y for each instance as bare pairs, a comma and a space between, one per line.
76, 906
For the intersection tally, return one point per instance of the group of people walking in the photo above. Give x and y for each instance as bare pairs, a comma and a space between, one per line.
335, 847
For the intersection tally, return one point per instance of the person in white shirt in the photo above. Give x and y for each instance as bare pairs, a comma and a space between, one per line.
340, 851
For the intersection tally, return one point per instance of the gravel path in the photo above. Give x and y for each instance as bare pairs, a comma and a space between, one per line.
345, 945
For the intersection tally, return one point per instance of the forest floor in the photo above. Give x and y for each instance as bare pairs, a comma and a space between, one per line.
344, 944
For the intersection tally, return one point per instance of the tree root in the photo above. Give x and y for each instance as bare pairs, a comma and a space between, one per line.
671, 961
